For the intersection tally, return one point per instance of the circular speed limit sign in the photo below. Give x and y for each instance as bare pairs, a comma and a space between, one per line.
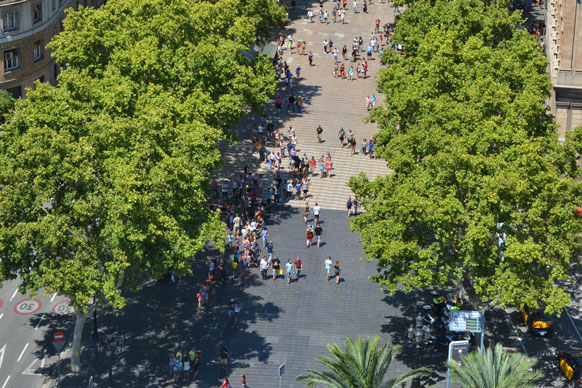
64, 308
27, 306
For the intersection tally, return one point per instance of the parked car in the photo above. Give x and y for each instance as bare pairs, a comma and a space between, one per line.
570, 363
537, 322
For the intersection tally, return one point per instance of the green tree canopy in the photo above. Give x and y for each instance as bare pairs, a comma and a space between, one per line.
192, 49
494, 369
475, 157
104, 178
6, 103
361, 364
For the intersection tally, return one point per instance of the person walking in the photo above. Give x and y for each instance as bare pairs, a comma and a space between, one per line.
276, 266
298, 268
309, 235
306, 212
243, 381
316, 210
264, 266
177, 368
289, 268
265, 234
310, 58
328, 263
337, 268
318, 231
319, 131
187, 368
355, 204
328, 167
270, 248
349, 206
195, 365
341, 135
225, 383
223, 356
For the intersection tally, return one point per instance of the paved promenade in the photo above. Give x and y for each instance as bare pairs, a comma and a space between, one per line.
329, 102
279, 323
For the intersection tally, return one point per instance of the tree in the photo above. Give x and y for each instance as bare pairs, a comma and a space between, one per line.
124, 196
475, 156
6, 104
494, 369
359, 365
192, 49
104, 178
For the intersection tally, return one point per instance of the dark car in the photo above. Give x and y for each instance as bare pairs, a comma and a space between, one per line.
570, 363
537, 322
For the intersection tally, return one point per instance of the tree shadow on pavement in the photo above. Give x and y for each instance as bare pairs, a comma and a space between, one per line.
161, 318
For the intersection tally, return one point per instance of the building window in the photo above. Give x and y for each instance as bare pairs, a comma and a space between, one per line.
36, 12
37, 50
10, 60
10, 21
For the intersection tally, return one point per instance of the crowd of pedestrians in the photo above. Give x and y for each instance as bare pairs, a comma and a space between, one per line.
246, 200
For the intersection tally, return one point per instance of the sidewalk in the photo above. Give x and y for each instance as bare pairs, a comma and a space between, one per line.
279, 323
329, 102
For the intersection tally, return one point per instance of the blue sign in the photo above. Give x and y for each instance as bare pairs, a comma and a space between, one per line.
281, 370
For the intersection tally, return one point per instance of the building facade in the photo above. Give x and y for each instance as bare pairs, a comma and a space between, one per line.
26, 27
564, 50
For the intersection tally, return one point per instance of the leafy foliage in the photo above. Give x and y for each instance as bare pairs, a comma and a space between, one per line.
361, 364
475, 156
122, 148
494, 369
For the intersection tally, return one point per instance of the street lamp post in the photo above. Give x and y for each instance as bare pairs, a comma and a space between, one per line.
109, 347
109, 354
95, 332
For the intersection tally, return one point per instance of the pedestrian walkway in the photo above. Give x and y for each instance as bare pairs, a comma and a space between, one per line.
329, 102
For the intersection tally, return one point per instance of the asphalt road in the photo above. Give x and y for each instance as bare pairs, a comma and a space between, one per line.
27, 324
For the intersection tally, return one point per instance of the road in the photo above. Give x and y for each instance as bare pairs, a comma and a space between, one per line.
27, 356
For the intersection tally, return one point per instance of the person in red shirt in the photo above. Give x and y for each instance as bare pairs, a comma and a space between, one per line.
298, 268
377, 27
310, 235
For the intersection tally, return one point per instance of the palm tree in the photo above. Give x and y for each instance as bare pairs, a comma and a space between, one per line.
494, 369
359, 365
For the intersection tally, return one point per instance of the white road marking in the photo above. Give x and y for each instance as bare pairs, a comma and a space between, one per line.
13, 295
516, 334
573, 324
22, 353
6, 382
53, 298
1, 315
2, 351
30, 371
39, 321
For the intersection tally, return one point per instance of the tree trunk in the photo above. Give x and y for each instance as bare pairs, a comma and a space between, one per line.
77, 337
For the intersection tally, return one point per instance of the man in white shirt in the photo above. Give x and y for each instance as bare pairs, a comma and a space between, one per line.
264, 265
289, 190
316, 210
